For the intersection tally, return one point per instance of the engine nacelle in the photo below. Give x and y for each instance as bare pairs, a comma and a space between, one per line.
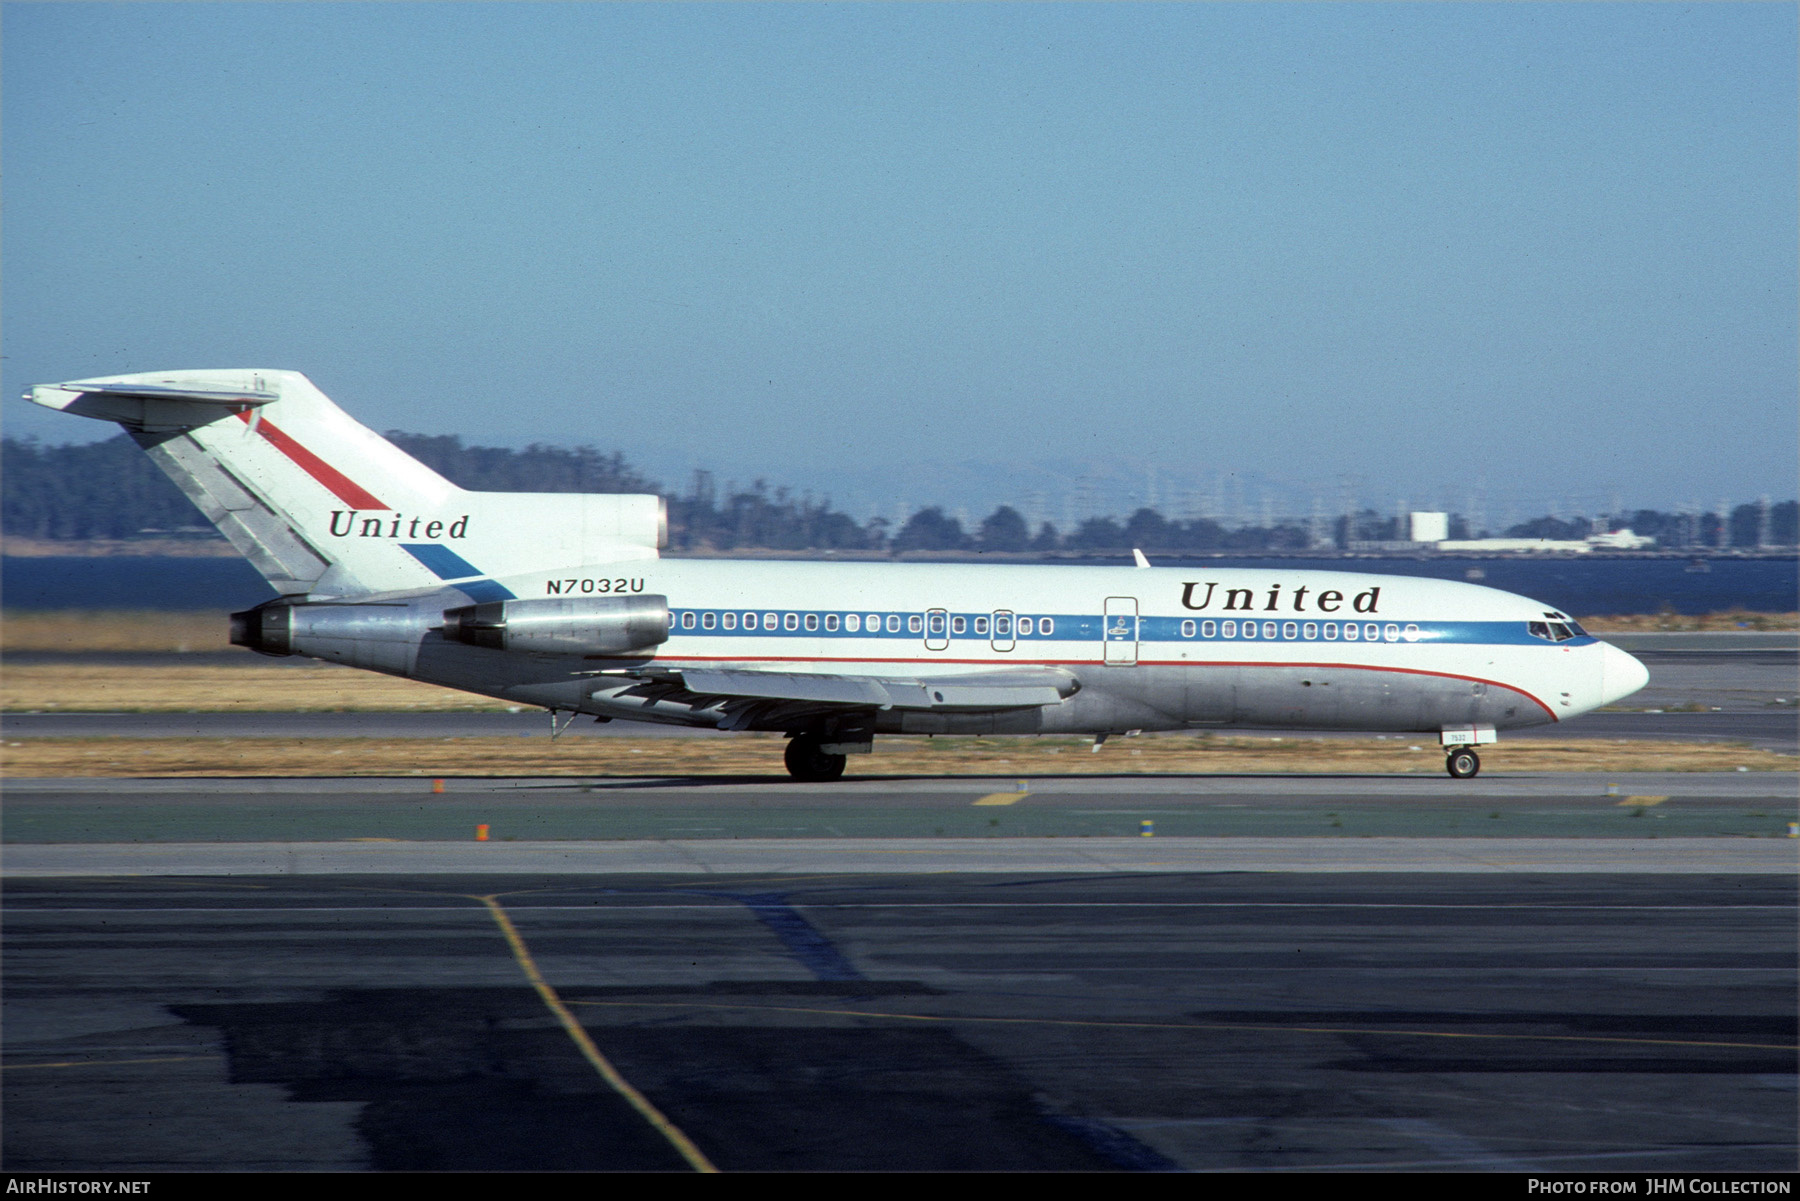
584, 625
380, 635
267, 629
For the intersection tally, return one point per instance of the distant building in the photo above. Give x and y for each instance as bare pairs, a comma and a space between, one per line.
1620, 540
1430, 527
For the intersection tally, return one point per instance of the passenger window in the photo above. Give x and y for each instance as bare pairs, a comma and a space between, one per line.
893, 623
959, 625
1410, 633
1331, 631
981, 625
791, 621
913, 624
1229, 629
728, 620
874, 620
1290, 630
1002, 626
706, 623
769, 622
812, 621
1311, 631
1352, 631
749, 621
1208, 629
936, 623
1249, 629
853, 622
1268, 629
1392, 633
1046, 627
1024, 627
687, 621
1371, 632
831, 622
1187, 629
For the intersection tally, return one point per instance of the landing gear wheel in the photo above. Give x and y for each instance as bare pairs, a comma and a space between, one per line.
805, 761
1462, 763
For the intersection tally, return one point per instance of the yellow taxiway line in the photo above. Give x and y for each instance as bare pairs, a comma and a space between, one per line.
683, 1145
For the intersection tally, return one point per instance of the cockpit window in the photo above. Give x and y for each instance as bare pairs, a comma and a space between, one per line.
1578, 631
1553, 631
1538, 629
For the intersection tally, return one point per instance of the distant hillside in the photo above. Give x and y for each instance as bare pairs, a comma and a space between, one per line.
111, 491
105, 489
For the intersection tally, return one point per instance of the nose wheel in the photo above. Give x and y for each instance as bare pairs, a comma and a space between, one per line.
1462, 762
807, 761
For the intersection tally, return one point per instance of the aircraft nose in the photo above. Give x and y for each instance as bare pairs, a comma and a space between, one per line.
1620, 674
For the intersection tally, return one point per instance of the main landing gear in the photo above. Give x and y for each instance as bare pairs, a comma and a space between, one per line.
1462, 762
807, 761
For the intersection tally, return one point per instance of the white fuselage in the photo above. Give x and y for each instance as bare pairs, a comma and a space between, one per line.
1153, 649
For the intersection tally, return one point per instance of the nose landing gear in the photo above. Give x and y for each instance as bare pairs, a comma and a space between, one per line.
1462, 762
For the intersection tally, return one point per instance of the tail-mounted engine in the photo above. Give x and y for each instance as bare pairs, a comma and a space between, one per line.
267, 629
563, 625
381, 635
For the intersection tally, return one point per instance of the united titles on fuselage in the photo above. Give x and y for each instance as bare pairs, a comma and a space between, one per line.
1328, 600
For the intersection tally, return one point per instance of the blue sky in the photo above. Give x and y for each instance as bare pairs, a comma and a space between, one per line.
946, 253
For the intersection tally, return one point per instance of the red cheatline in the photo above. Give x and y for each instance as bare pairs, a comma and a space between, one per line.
341, 485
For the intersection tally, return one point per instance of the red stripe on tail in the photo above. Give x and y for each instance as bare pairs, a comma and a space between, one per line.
341, 485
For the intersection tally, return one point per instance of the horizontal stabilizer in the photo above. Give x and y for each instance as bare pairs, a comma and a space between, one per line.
163, 401
202, 394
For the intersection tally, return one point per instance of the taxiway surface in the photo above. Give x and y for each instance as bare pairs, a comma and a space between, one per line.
1546, 973
361, 811
1207, 1021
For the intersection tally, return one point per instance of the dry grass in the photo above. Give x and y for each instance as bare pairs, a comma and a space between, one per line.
753, 754
75, 631
259, 686
1654, 623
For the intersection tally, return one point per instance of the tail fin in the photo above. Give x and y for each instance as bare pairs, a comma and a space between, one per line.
321, 504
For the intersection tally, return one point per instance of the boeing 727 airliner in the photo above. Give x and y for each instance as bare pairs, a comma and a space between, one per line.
562, 601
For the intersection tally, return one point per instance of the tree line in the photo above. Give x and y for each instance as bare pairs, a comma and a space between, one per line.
112, 490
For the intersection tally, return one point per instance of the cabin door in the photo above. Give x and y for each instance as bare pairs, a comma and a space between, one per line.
1121, 633
937, 629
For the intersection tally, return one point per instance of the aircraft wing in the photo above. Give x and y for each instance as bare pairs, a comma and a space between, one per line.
1015, 689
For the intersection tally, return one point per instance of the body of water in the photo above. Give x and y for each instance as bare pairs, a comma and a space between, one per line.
1583, 587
